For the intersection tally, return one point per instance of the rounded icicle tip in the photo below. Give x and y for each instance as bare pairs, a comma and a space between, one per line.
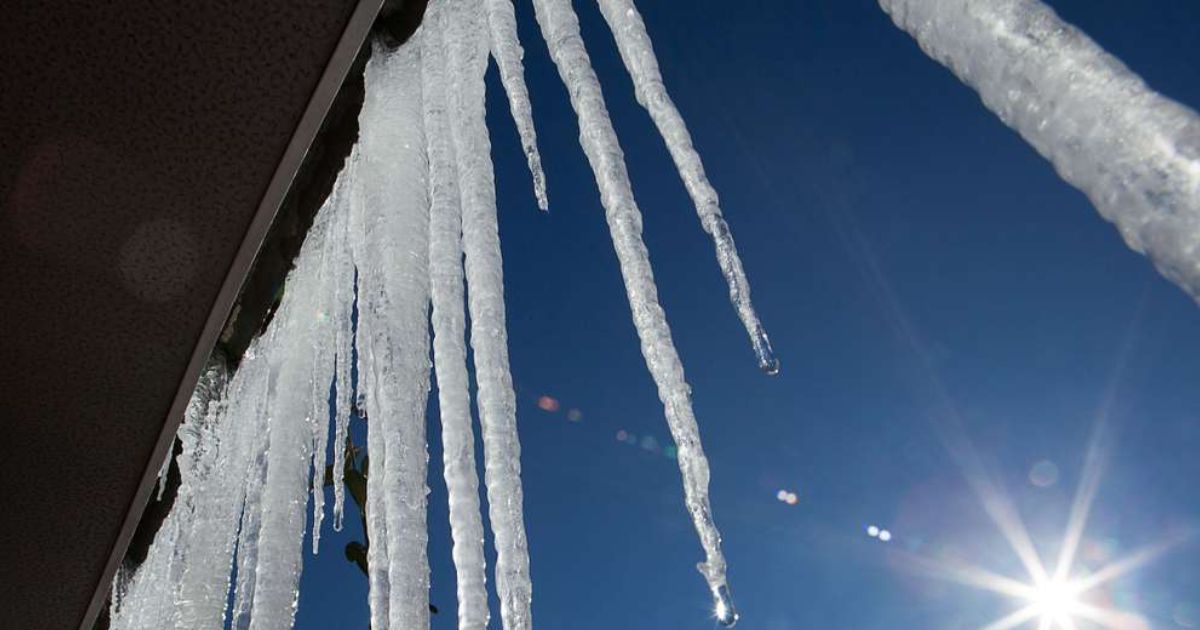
723, 608
767, 361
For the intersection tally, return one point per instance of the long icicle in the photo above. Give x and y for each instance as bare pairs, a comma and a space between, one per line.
343, 325
376, 515
290, 435
560, 29
506, 48
251, 517
637, 52
449, 328
467, 45
395, 301
325, 343
204, 585
1133, 151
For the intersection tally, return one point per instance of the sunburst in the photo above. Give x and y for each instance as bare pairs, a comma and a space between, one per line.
1048, 597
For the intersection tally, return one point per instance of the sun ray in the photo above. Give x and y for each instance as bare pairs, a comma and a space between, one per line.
1112, 619
965, 574
1132, 562
1014, 619
1085, 494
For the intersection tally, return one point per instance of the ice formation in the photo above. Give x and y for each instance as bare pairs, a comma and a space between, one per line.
637, 52
449, 328
408, 241
1133, 151
560, 27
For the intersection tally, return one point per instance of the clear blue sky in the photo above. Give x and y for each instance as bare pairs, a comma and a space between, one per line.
870, 193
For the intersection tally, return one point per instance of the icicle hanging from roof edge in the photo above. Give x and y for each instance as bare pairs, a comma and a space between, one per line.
449, 328
203, 586
560, 29
326, 347
293, 354
467, 46
254, 402
1133, 151
149, 597
343, 295
394, 301
637, 52
506, 49
376, 516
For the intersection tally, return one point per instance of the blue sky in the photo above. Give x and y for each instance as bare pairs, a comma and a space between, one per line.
918, 267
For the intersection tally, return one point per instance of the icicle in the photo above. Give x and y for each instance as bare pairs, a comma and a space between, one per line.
343, 296
325, 348
467, 46
163, 470
289, 449
560, 28
204, 585
1134, 152
376, 516
506, 48
449, 327
637, 52
394, 302
149, 598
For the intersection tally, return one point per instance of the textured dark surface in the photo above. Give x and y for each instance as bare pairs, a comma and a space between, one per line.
137, 140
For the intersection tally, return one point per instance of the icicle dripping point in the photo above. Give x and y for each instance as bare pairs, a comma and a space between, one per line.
767, 361
723, 608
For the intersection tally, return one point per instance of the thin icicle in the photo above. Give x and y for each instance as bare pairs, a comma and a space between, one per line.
467, 46
449, 328
325, 346
506, 49
1133, 151
393, 304
343, 296
560, 28
163, 470
637, 51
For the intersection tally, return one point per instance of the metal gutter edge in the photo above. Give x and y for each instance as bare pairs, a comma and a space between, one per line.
353, 37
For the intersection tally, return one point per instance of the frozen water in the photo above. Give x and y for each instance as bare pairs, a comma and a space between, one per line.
449, 328
1134, 152
637, 52
506, 49
466, 40
560, 28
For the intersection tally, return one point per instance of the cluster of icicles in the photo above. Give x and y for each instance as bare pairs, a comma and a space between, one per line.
407, 236
413, 216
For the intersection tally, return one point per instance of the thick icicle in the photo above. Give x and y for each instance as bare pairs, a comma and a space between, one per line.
376, 516
449, 328
1134, 152
393, 304
204, 584
637, 52
560, 28
151, 594
290, 437
467, 46
506, 48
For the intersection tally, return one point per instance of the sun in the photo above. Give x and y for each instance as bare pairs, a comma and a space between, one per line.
1051, 595
1056, 603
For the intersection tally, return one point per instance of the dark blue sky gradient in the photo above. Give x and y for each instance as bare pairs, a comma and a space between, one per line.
900, 242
